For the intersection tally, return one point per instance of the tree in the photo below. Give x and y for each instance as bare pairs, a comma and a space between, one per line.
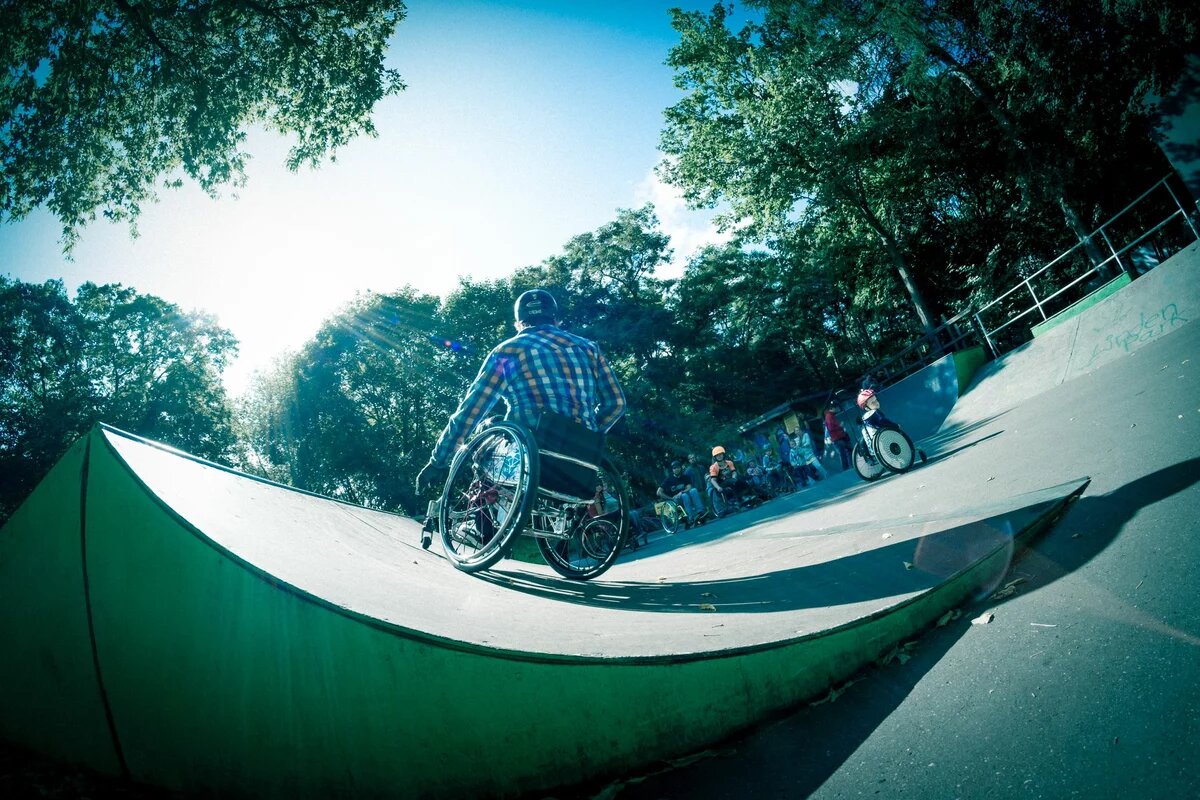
353, 414
112, 355
102, 99
778, 122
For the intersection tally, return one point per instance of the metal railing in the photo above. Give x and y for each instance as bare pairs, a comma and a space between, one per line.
1057, 294
1045, 305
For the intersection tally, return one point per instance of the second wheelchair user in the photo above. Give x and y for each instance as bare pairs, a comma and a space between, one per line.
677, 487
873, 419
724, 481
542, 368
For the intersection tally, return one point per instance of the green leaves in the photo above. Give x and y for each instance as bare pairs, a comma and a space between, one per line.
112, 355
102, 101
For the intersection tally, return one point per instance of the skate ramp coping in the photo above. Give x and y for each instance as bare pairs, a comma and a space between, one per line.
221, 633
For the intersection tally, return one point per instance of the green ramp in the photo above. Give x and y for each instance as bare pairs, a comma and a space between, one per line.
214, 632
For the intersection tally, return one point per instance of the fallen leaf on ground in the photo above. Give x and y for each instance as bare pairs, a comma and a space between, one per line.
949, 617
707, 607
887, 536
983, 619
908, 565
834, 693
1008, 590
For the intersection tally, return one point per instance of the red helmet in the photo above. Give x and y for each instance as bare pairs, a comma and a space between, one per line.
864, 396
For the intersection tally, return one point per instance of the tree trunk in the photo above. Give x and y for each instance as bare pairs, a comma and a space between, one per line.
902, 269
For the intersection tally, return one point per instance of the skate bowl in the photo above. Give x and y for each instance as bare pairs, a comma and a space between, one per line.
202, 630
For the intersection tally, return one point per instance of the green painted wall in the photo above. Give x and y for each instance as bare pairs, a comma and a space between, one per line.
223, 680
49, 696
966, 363
1113, 286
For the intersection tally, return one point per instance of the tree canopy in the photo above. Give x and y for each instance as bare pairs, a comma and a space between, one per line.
110, 355
103, 101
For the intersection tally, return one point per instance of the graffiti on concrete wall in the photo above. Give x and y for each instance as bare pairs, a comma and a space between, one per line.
1150, 326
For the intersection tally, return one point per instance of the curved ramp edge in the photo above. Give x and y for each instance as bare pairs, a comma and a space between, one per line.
50, 697
223, 679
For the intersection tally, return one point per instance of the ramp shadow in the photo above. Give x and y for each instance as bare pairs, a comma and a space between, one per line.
905, 567
794, 755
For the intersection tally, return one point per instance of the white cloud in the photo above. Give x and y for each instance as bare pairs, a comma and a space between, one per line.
690, 230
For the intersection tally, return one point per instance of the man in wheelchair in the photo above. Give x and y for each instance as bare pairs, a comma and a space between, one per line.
541, 369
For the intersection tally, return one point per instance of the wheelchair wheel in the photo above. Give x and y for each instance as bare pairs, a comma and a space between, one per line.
671, 516
894, 449
867, 467
487, 496
597, 541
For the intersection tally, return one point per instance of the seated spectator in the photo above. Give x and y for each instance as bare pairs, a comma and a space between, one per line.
805, 457
643, 521
774, 471
757, 478
677, 487
725, 485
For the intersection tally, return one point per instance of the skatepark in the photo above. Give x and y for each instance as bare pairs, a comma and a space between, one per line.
197, 629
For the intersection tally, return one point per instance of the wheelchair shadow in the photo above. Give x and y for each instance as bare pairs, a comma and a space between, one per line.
871, 575
796, 752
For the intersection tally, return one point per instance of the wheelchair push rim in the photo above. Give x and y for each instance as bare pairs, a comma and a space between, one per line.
486, 498
597, 542
894, 449
671, 516
868, 469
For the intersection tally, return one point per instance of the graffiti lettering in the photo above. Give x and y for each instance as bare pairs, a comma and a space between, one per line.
1147, 328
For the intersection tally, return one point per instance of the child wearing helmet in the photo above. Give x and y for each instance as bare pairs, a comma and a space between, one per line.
873, 419
723, 480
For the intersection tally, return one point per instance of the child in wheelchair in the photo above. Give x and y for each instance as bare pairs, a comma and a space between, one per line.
874, 420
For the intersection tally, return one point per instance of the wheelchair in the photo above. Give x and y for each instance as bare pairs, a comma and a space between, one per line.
552, 484
671, 516
890, 450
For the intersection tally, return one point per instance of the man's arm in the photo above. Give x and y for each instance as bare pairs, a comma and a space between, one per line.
483, 393
611, 401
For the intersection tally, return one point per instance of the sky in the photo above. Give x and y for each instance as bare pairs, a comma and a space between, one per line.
524, 123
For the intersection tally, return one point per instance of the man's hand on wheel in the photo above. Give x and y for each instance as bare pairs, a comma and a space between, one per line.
431, 476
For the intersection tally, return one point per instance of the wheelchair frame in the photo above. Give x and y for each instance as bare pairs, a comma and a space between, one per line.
493, 493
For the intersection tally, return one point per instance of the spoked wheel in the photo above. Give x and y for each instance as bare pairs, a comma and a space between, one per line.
671, 515
597, 541
867, 467
895, 449
487, 496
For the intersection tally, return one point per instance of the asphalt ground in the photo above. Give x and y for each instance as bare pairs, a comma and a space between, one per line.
1085, 681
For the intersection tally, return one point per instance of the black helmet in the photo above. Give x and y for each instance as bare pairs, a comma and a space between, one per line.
535, 307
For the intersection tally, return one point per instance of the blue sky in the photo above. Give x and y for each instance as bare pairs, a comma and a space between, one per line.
524, 124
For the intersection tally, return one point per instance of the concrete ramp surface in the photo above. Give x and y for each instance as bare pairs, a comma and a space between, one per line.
199, 629
1151, 307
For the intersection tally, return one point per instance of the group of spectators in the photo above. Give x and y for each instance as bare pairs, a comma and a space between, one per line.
762, 471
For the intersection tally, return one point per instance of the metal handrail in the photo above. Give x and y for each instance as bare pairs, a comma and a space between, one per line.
882, 371
1097, 269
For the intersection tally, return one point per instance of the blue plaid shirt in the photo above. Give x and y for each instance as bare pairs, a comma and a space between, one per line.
542, 367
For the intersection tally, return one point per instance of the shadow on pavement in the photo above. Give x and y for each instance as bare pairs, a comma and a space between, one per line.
793, 756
